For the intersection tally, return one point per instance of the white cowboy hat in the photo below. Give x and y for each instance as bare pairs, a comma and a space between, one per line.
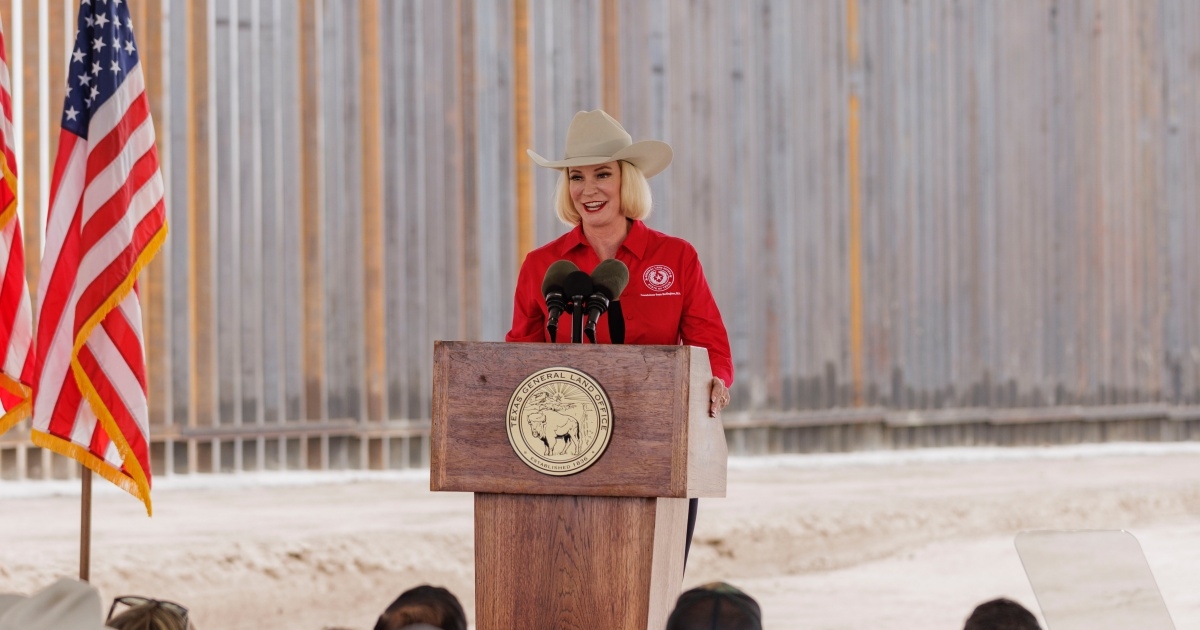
64, 605
596, 138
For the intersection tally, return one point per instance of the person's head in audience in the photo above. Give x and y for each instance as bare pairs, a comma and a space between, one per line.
134, 612
67, 604
715, 606
1001, 614
424, 607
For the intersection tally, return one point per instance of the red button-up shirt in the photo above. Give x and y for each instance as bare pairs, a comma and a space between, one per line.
666, 302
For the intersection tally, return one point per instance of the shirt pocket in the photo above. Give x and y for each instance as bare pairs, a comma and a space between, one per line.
652, 320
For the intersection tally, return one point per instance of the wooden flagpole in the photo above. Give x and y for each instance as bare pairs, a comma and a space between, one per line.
85, 526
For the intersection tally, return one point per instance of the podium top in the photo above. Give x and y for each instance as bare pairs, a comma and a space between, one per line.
662, 444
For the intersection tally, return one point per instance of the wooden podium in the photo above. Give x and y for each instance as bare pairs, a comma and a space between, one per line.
601, 548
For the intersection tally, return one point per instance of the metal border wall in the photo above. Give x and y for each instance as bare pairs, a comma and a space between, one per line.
941, 207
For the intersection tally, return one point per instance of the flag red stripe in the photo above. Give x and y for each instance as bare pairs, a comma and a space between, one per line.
57, 294
12, 286
57, 287
104, 151
115, 405
116, 208
27, 370
107, 282
99, 444
6, 107
62, 418
66, 147
127, 342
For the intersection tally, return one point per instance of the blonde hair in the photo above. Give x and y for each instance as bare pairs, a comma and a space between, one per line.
149, 616
635, 195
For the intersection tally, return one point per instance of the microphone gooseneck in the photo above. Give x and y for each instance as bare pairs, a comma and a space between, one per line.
554, 292
577, 286
609, 279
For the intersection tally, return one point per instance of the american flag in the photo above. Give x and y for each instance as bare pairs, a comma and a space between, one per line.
16, 322
106, 220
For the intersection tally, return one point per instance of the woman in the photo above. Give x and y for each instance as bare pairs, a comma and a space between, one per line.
603, 195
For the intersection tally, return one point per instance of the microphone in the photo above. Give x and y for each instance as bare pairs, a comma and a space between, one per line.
608, 281
577, 285
552, 289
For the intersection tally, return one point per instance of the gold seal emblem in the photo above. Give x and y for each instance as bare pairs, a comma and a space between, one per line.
559, 421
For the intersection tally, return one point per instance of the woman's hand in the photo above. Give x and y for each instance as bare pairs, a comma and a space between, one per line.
718, 398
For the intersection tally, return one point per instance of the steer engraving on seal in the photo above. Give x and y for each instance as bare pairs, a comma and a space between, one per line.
559, 421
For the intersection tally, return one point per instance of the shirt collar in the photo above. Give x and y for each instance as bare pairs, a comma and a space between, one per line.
573, 239
635, 241
637, 238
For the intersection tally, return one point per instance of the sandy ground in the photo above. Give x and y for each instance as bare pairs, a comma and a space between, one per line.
876, 540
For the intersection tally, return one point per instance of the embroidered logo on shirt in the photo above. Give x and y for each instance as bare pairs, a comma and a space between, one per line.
659, 277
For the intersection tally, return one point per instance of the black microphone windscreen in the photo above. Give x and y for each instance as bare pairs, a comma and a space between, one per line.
577, 283
557, 274
612, 276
